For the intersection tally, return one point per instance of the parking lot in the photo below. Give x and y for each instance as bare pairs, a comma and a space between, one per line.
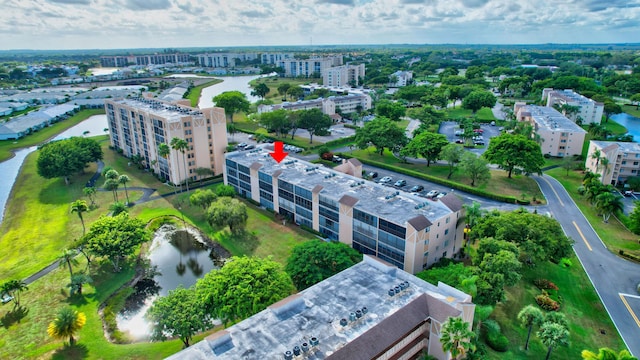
449, 128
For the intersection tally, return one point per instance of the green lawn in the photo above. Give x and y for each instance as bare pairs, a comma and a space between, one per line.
484, 114
274, 81
7, 146
194, 94
581, 305
615, 128
631, 110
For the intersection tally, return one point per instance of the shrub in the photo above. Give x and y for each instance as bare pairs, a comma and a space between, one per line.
544, 284
491, 328
498, 342
566, 262
547, 303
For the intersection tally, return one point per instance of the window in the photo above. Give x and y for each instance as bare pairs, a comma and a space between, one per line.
447, 221
364, 217
446, 231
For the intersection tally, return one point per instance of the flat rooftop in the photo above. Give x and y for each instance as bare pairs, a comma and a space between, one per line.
386, 202
550, 119
168, 111
316, 313
623, 146
572, 96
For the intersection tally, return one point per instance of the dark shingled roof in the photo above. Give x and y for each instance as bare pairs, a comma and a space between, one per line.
420, 222
348, 200
355, 162
452, 202
255, 166
316, 189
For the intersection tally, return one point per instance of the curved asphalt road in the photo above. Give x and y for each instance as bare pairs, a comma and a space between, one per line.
615, 279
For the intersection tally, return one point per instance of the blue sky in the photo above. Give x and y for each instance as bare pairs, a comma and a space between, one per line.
81, 24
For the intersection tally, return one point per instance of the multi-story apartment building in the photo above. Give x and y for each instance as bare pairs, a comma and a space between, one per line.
614, 161
589, 111
402, 78
138, 126
559, 136
224, 60
312, 67
275, 58
348, 104
398, 227
153, 59
369, 311
345, 75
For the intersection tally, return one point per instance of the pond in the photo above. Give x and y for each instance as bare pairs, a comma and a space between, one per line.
632, 124
177, 257
229, 83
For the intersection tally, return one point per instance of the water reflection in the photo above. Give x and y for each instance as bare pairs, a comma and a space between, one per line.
178, 257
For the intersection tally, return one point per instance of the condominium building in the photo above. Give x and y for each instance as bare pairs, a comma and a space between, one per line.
401, 228
138, 126
559, 136
614, 161
275, 58
345, 75
402, 78
347, 104
224, 60
371, 310
590, 111
312, 67
153, 59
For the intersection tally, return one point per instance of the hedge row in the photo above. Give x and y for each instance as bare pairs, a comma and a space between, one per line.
448, 183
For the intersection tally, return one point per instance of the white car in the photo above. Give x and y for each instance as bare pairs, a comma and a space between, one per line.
432, 194
386, 180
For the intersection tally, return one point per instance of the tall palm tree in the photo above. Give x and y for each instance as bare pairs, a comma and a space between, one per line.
607, 354
175, 145
66, 324
90, 192
596, 155
182, 146
124, 179
112, 185
530, 316
608, 204
68, 258
553, 335
455, 337
13, 288
80, 206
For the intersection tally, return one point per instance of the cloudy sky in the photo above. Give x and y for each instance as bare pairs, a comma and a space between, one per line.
80, 24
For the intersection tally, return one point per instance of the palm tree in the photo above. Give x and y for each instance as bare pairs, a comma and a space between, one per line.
455, 337
473, 213
124, 179
608, 204
163, 151
66, 324
68, 257
77, 281
117, 208
13, 288
553, 335
175, 145
529, 316
111, 174
80, 206
182, 146
90, 192
112, 184
607, 354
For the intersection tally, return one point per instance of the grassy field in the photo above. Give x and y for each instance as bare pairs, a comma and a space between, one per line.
631, 110
7, 146
613, 234
274, 81
581, 305
194, 94
17, 113
484, 114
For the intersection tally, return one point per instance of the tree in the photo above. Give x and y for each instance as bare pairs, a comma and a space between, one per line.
227, 212
77, 282
390, 109
635, 98
90, 192
473, 212
202, 172
64, 158
282, 90
478, 99
261, 90
426, 144
179, 314
314, 121
232, 102
515, 151
634, 218
608, 204
455, 337
381, 133
503, 262
68, 258
116, 237
492, 246
182, 145
295, 92
112, 185
66, 324
529, 316
202, 198
316, 260
117, 208
607, 354
553, 335
611, 108
452, 154
475, 168
242, 287
79, 207
225, 190
14, 288
124, 179
277, 121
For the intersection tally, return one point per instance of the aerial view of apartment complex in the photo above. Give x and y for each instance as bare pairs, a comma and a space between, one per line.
151, 59
371, 310
589, 111
138, 126
401, 228
622, 160
343, 75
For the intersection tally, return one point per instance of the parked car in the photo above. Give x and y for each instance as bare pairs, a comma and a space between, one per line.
628, 193
386, 180
336, 159
480, 143
400, 183
441, 195
372, 175
241, 145
250, 147
417, 188
459, 141
432, 194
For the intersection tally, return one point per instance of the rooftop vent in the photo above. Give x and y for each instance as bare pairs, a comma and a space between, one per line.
288, 355
314, 341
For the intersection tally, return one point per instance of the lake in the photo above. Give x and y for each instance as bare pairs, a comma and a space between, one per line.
229, 83
632, 124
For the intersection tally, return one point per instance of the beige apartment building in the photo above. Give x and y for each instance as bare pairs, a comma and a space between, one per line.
622, 160
348, 104
345, 75
138, 126
312, 67
559, 136
590, 111
401, 228
224, 60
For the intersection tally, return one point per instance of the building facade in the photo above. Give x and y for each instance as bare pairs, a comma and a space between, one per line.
347, 104
345, 75
275, 58
559, 136
369, 311
402, 78
224, 60
401, 228
590, 111
312, 67
138, 126
614, 161
153, 59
